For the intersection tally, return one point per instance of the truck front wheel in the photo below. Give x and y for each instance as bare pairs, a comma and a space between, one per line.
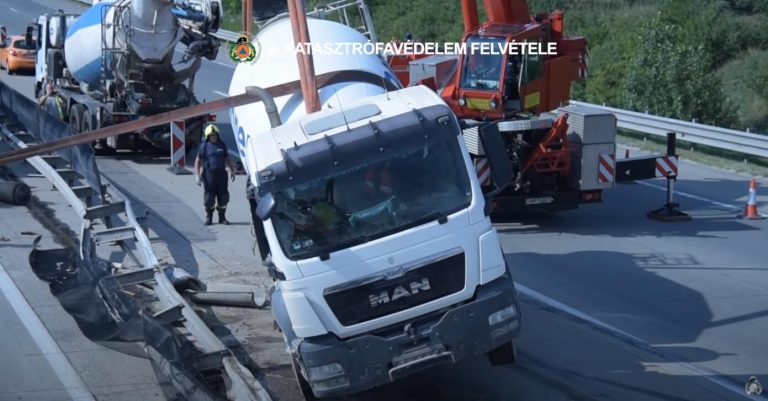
504, 354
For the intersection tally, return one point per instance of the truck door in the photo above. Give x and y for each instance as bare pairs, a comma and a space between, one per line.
532, 83
38, 30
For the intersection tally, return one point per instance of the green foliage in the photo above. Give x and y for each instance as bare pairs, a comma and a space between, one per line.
679, 74
749, 5
232, 15
670, 77
427, 20
747, 81
703, 59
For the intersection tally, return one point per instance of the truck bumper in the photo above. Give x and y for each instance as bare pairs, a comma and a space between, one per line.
335, 367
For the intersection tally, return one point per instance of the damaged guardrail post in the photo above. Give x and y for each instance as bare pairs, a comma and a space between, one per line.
670, 212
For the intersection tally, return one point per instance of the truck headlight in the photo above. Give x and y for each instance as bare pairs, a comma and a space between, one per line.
492, 103
500, 324
462, 101
325, 372
327, 376
501, 315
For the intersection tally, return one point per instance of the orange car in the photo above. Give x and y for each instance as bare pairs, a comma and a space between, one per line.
15, 55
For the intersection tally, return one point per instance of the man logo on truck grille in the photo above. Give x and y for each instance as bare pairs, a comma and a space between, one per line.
244, 51
399, 292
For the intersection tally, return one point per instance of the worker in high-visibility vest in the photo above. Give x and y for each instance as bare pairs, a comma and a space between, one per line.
213, 159
52, 102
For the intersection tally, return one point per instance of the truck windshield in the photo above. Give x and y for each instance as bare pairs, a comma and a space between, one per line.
371, 201
482, 63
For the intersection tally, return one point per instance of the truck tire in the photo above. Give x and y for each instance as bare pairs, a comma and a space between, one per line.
76, 118
306, 389
504, 354
87, 124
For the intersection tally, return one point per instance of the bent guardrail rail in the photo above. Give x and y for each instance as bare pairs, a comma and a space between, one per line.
176, 338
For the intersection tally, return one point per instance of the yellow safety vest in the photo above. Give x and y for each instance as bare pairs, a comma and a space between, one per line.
58, 104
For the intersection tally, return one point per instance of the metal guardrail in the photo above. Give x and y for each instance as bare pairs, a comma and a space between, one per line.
240, 383
702, 134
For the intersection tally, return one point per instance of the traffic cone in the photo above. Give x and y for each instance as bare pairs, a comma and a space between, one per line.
750, 211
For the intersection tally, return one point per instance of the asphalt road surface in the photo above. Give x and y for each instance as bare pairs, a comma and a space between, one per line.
615, 306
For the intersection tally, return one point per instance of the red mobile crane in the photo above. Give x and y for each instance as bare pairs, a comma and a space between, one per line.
497, 82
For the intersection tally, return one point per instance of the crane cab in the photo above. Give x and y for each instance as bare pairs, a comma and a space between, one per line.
507, 69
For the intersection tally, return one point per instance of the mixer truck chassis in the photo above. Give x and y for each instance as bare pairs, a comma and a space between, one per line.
115, 63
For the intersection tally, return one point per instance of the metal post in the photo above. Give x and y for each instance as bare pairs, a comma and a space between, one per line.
670, 211
304, 59
670, 189
247, 10
671, 144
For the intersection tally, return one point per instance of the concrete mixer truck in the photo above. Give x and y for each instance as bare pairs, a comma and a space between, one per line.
115, 63
383, 256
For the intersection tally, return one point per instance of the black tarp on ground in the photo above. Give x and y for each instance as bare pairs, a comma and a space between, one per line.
88, 291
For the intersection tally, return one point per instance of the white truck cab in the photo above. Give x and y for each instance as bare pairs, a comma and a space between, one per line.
385, 259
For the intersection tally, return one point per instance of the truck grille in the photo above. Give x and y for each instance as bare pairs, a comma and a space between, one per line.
386, 296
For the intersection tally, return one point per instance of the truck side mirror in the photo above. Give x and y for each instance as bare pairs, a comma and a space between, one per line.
496, 152
28, 37
265, 206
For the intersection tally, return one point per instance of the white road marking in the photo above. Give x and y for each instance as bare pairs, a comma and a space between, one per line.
707, 374
13, 9
64, 370
220, 93
692, 196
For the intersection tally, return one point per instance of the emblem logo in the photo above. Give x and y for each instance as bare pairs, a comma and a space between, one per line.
401, 291
243, 51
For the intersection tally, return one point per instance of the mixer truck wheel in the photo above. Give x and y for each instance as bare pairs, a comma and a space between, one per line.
76, 118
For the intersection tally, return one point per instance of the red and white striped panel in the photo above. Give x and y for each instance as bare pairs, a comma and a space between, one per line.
666, 165
483, 170
177, 143
606, 168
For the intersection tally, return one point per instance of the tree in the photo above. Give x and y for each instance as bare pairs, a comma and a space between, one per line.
671, 77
